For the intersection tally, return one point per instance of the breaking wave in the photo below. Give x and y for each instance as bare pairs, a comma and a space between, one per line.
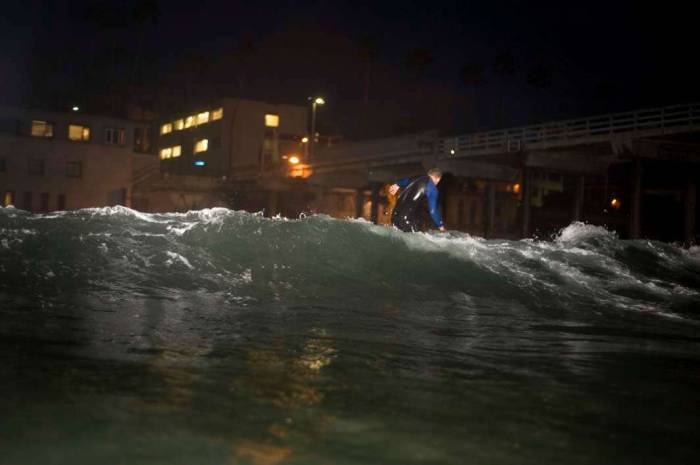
251, 260
218, 336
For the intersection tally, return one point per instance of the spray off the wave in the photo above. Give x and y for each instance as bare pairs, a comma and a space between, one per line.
304, 337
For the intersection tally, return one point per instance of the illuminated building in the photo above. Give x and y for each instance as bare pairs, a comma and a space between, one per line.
235, 138
61, 161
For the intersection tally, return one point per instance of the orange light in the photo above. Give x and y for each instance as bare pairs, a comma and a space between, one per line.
300, 171
615, 204
294, 160
516, 188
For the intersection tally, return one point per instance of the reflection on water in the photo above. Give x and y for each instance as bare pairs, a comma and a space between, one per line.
290, 381
220, 337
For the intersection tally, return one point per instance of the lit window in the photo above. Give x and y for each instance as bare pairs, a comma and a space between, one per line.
42, 129
203, 117
166, 153
189, 121
217, 114
78, 132
9, 198
166, 128
179, 124
201, 145
272, 121
177, 151
114, 136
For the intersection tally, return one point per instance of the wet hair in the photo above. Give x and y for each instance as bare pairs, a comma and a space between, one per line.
435, 172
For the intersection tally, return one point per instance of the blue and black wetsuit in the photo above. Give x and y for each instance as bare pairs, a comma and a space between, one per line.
410, 205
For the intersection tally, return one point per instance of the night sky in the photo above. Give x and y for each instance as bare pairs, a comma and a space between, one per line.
384, 67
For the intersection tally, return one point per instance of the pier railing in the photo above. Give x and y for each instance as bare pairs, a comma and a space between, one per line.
657, 121
375, 153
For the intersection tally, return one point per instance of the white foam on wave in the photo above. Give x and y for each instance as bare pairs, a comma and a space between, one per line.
120, 210
578, 231
564, 257
180, 258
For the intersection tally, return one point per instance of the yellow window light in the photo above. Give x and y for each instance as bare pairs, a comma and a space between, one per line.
203, 117
190, 121
166, 153
201, 145
78, 132
272, 121
166, 128
217, 113
42, 129
8, 199
179, 124
177, 151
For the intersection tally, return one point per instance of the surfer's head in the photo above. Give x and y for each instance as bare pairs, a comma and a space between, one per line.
435, 174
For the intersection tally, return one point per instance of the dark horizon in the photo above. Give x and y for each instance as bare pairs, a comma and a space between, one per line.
446, 66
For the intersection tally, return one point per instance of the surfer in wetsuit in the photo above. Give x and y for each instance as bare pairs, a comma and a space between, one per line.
410, 205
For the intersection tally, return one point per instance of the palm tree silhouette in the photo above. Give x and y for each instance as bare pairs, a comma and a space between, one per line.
503, 66
539, 78
473, 75
368, 48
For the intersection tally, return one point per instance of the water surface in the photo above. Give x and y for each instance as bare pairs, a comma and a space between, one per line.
225, 337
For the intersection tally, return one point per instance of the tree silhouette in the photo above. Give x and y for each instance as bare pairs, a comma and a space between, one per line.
242, 54
145, 15
419, 60
473, 75
503, 66
369, 51
539, 78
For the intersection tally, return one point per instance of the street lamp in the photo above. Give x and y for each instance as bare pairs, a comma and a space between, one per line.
315, 102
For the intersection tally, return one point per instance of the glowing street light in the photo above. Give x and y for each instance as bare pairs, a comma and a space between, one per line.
294, 160
304, 140
76, 108
316, 102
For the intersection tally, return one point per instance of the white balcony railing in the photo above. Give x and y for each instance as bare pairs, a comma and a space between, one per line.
656, 121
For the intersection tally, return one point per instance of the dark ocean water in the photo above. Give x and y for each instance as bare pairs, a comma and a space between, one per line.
221, 337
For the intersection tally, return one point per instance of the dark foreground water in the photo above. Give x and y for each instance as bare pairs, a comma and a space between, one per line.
220, 337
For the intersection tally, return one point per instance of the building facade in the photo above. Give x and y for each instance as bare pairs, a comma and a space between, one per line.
231, 138
231, 152
62, 161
